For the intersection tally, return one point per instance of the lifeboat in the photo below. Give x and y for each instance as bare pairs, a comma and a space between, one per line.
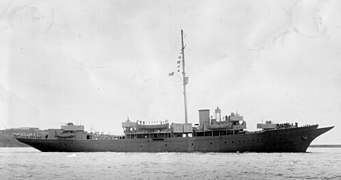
66, 135
152, 126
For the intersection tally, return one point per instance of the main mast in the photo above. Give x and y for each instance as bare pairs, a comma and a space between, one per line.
184, 78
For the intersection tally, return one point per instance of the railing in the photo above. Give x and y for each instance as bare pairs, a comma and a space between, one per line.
30, 135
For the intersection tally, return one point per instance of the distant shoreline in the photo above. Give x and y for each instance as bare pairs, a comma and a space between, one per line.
325, 146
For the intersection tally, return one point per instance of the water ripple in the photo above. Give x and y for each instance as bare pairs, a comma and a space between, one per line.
26, 163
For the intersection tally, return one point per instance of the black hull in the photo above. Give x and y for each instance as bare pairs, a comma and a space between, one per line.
282, 140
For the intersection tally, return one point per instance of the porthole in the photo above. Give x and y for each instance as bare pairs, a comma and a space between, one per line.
192, 144
211, 143
225, 142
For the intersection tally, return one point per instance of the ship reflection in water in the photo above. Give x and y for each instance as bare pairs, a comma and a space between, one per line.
27, 163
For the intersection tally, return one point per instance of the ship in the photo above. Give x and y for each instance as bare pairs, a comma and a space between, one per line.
213, 133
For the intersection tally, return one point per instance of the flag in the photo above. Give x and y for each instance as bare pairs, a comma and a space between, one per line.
171, 74
179, 57
178, 62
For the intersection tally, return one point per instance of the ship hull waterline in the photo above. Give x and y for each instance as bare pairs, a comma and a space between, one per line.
281, 140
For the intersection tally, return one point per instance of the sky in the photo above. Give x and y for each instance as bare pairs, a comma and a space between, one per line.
98, 63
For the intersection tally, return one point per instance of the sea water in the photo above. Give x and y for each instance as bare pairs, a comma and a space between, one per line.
28, 163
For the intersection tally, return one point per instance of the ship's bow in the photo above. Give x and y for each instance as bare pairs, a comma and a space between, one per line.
292, 139
309, 135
